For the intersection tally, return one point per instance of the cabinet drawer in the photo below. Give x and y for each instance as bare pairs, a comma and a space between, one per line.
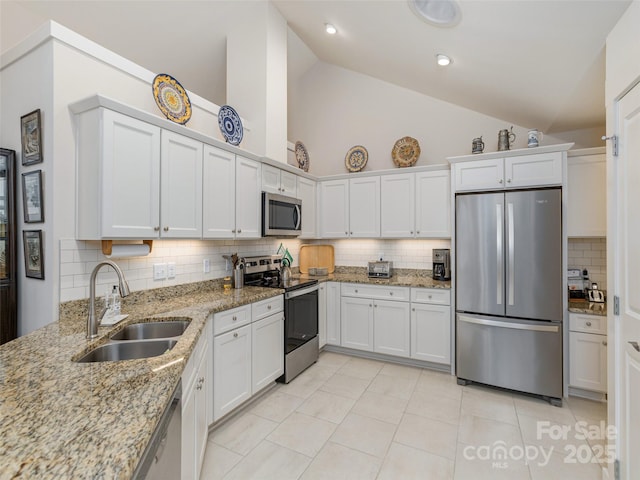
375, 291
588, 323
436, 296
267, 307
230, 319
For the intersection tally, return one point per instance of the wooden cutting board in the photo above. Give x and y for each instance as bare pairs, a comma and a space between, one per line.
317, 256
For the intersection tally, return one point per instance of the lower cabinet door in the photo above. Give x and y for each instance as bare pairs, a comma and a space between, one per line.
267, 337
588, 361
188, 462
201, 429
431, 333
357, 323
322, 315
391, 328
231, 370
333, 313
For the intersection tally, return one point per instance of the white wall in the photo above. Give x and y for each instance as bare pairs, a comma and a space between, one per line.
623, 52
334, 109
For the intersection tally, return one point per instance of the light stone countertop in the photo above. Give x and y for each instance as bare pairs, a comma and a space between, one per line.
400, 278
589, 308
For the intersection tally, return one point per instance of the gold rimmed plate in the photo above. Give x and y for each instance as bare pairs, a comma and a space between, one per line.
171, 98
356, 158
405, 152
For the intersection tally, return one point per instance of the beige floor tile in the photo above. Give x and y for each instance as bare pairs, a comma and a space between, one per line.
361, 368
276, 406
481, 431
429, 435
402, 371
441, 384
381, 407
474, 465
399, 387
302, 386
364, 434
269, 461
549, 434
218, 461
332, 359
438, 407
562, 467
327, 406
346, 386
243, 433
587, 409
321, 372
408, 463
336, 462
302, 433
496, 406
535, 407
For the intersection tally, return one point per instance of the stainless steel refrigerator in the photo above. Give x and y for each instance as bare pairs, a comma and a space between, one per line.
8, 245
509, 296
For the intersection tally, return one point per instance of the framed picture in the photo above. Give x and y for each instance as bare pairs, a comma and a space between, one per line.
33, 258
32, 197
31, 134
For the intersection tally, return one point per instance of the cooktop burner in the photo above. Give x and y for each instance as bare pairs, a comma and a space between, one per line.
273, 281
264, 271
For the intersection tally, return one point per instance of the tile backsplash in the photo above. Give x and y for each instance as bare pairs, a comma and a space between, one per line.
590, 253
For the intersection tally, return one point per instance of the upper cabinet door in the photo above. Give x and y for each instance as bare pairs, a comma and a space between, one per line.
248, 198
334, 209
364, 207
271, 179
130, 186
533, 170
479, 175
307, 193
397, 205
587, 196
433, 204
219, 193
289, 184
181, 189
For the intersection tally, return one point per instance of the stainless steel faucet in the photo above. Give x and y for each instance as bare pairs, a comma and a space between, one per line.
92, 321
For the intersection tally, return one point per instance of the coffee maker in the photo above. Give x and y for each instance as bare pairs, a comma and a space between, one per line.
441, 264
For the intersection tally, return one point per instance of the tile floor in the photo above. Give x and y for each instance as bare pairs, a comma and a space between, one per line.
352, 418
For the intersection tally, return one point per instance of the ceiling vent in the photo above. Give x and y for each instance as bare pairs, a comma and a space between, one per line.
441, 13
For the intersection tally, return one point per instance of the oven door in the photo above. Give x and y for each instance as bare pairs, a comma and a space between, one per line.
281, 216
300, 317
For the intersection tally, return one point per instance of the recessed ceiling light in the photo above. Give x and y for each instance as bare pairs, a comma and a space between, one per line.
441, 13
443, 60
330, 29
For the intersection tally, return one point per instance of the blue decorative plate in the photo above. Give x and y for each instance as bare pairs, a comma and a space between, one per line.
171, 98
230, 125
356, 158
302, 156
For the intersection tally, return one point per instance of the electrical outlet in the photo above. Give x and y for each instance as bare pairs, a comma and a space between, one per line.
380, 255
171, 270
206, 266
159, 271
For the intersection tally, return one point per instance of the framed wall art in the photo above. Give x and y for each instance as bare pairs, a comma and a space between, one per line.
33, 257
32, 197
31, 134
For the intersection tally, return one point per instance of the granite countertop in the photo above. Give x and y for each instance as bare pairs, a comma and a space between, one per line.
590, 308
400, 278
61, 419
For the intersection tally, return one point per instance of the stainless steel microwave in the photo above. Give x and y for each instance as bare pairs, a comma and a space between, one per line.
281, 216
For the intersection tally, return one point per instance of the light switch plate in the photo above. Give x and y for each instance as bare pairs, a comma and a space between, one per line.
171, 270
206, 266
159, 271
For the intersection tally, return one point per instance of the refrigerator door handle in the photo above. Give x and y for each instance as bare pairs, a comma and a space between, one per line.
499, 254
511, 248
515, 326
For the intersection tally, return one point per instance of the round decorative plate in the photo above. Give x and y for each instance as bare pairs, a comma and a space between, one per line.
356, 158
171, 98
302, 156
405, 152
230, 125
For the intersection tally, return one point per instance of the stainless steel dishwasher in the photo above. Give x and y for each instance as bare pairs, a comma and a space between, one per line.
162, 458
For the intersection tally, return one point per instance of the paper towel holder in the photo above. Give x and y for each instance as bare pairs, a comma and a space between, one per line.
107, 246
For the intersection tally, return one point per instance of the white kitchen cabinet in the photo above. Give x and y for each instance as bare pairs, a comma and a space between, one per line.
118, 176
219, 192
267, 353
587, 195
479, 174
397, 205
333, 313
231, 370
248, 198
357, 323
180, 186
588, 352
322, 314
278, 181
431, 333
334, 209
307, 192
433, 204
391, 328
364, 207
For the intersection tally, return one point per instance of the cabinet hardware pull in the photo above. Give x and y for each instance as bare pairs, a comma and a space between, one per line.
375, 305
413, 309
429, 297
346, 233
233, 231
356, 291
604, 342
411, 232
234, 318
156, 229
350, 233
508, 180
166, 229
418, 232
369, 305
235, 335
588, 324
391, 293
239, 231
500, 181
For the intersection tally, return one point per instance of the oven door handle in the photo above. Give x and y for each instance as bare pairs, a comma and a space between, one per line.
302, 291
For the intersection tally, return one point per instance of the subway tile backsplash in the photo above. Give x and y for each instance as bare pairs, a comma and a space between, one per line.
590, 253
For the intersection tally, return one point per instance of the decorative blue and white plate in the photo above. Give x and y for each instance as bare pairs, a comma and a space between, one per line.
356, 158
171, 98
302, 156
230, 125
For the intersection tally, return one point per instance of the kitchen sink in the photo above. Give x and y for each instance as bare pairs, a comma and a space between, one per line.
149, 330
112, 352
